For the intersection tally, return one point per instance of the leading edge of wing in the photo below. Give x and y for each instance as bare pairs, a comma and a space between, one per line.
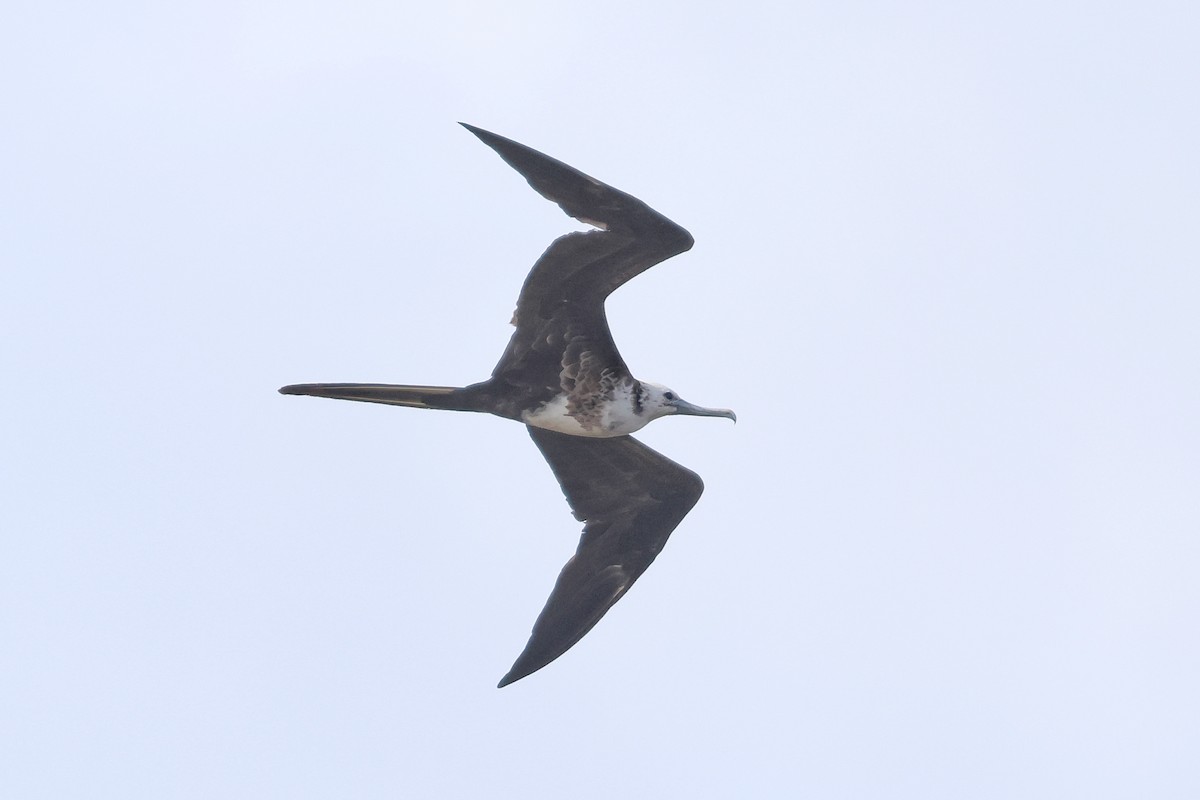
630, 498
585, 198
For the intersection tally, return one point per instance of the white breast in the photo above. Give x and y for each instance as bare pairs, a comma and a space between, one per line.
615, 418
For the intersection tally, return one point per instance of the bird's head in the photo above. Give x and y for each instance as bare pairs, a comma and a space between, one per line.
659, 401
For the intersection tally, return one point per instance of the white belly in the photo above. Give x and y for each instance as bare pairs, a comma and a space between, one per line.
615, 418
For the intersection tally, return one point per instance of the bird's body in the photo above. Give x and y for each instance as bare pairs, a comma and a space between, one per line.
617, 410
562, 376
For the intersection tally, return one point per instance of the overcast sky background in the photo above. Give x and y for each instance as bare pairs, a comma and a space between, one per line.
947, 272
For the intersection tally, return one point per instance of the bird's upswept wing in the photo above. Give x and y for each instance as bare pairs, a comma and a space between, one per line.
630, 498
560, 312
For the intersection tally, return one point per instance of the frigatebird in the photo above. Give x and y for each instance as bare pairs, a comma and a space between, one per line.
562, 376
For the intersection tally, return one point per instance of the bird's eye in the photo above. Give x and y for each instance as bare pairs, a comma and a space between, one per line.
669, 395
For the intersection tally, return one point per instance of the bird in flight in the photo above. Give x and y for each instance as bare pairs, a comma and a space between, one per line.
561, 376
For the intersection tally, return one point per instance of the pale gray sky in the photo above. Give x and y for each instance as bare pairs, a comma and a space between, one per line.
946, 271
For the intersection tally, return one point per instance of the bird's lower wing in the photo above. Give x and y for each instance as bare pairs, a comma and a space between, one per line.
630, 498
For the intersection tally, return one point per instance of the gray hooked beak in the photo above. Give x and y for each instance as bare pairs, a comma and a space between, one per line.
684, 407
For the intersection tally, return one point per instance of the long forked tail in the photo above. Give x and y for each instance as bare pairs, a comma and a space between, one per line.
441, 397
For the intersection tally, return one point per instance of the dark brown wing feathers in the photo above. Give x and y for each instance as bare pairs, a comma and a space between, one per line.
630, 498
561, 305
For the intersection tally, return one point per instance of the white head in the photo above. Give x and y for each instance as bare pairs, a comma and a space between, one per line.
659, 401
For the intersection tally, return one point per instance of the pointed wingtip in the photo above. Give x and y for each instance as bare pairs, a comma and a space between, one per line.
519, 670
495, 141
513, 676
479, 132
